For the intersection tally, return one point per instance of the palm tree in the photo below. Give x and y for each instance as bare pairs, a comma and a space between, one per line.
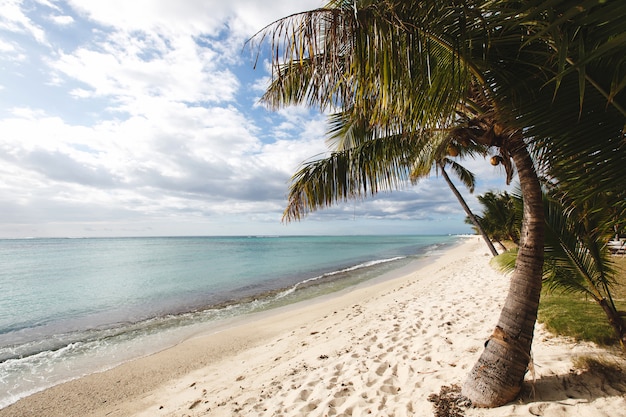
422, 169
535, 81
500, 217
345, 134
577, 257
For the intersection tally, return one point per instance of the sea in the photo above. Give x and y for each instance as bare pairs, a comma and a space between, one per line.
72, 307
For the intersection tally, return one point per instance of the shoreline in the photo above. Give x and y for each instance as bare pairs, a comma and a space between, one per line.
225, 325
377, 348
43, 356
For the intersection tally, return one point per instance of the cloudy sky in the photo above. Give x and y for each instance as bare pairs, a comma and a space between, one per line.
135, 118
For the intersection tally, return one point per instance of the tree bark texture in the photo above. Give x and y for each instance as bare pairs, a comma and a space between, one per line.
616, 322
497, 377
469, 213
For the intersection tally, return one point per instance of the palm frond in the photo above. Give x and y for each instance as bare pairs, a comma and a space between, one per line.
587, 36
466, 176
576, 259
420, 169
373, 166
505, 262
565, 71
501, 217
383, 60
346, 132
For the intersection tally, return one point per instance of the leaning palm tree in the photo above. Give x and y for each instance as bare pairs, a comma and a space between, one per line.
532, 83
422, 169
346, 134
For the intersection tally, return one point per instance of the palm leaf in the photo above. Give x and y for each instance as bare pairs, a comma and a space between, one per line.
384, 61
568, 78
505, 262
577, 258
373, 166
466, 176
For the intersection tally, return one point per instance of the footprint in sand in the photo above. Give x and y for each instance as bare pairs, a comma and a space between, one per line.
537, 409
304, 395
394, 370
389, 389
381, 369
337, 402
309, 407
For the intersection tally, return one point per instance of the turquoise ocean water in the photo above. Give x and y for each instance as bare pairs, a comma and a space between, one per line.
70, 307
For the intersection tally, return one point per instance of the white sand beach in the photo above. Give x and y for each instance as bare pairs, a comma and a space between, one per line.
377, 350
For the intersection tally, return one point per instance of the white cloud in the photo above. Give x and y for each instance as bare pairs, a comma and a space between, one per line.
6, 47
147, 123
13, 19
49, 4
190, 17
62, 20
177, 69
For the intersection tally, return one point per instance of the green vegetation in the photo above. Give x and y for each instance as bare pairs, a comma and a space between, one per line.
578, 270
501, 218
573, 315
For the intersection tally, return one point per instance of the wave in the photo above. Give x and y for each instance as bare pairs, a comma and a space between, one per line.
70, 341
295, 287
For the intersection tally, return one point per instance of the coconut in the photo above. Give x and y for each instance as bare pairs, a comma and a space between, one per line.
452, 151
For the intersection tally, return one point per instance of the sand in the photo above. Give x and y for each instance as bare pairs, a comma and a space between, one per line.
377, 350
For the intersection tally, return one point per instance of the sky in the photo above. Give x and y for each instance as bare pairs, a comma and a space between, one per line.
142, 118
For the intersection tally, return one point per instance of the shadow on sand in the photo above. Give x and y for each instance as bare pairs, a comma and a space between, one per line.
556, 393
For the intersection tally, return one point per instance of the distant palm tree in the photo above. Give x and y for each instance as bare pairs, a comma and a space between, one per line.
544, 78
422, 168
499, 217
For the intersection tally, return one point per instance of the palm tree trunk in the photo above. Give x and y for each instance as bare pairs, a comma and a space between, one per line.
469, 213
497, 377
616, 321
